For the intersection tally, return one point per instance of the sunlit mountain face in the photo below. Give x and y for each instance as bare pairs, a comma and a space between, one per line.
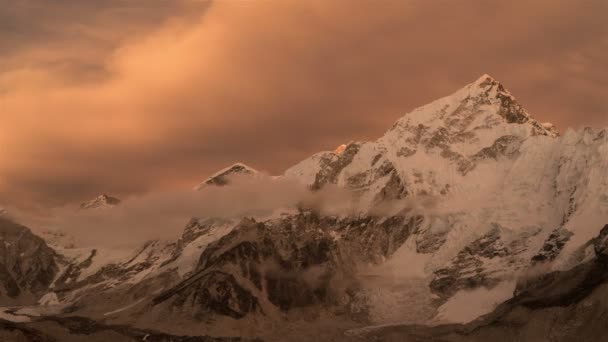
269, 171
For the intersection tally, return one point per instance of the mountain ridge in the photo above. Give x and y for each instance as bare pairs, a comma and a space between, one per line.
465, 194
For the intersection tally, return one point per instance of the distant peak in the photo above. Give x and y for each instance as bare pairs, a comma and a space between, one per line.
220, 178
485, 79
340, 149
486, 82
101, 201
478, 105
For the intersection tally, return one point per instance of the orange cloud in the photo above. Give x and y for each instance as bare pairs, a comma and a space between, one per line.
94, 109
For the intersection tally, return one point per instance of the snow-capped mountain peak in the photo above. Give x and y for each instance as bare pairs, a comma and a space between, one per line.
222, 177
481, 105
101, 201
507, 191
453, 134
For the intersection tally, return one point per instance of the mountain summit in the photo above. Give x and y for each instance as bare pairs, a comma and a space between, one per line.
451, 135
223, 176
101, 201
480, 105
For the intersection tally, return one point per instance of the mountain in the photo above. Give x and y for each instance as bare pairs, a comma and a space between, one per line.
223, 176
506, 190
556, 306
27, 264
456, 205
100, 202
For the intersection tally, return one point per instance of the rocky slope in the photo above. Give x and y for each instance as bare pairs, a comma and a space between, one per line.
557, 306
27, 264
297, 261
507, 191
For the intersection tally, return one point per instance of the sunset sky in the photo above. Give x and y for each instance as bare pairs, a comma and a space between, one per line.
128, 97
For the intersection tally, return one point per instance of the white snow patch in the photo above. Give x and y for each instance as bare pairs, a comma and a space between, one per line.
49, 299
465, 306
123, 308
102, 258
191, 252
5, 314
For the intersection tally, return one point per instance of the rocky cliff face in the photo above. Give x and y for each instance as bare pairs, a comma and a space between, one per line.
557, 306
295, 262
27, 264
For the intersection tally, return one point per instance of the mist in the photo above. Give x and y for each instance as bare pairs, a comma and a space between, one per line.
163, 215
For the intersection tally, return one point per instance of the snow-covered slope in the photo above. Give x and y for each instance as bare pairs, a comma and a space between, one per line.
506, 192
87, 273
27, 264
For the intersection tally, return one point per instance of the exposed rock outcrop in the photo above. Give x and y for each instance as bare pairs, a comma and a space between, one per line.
27, 264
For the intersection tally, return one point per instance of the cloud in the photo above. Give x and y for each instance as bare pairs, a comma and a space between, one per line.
163, 215
129, 98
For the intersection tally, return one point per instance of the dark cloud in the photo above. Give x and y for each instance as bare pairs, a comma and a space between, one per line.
129, 97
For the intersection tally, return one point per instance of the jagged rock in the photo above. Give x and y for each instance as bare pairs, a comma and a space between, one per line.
563, 306
293, 262
430, 242
27, 264
466, 270
600, 244
289, 262
553, 245
222, 177
405, 152
333, 166
507, 146
219, 293
101, 201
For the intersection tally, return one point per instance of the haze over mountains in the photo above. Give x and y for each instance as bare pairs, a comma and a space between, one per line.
468, 199
136, 99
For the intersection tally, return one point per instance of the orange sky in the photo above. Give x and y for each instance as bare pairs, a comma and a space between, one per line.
128, 97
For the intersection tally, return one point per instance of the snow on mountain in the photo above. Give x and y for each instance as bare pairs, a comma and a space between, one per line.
454, 202
223, 176
508, 191
557, 306
497, 191
85, 273
100, 202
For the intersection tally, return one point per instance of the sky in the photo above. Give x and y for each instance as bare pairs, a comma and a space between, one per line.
132, 97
